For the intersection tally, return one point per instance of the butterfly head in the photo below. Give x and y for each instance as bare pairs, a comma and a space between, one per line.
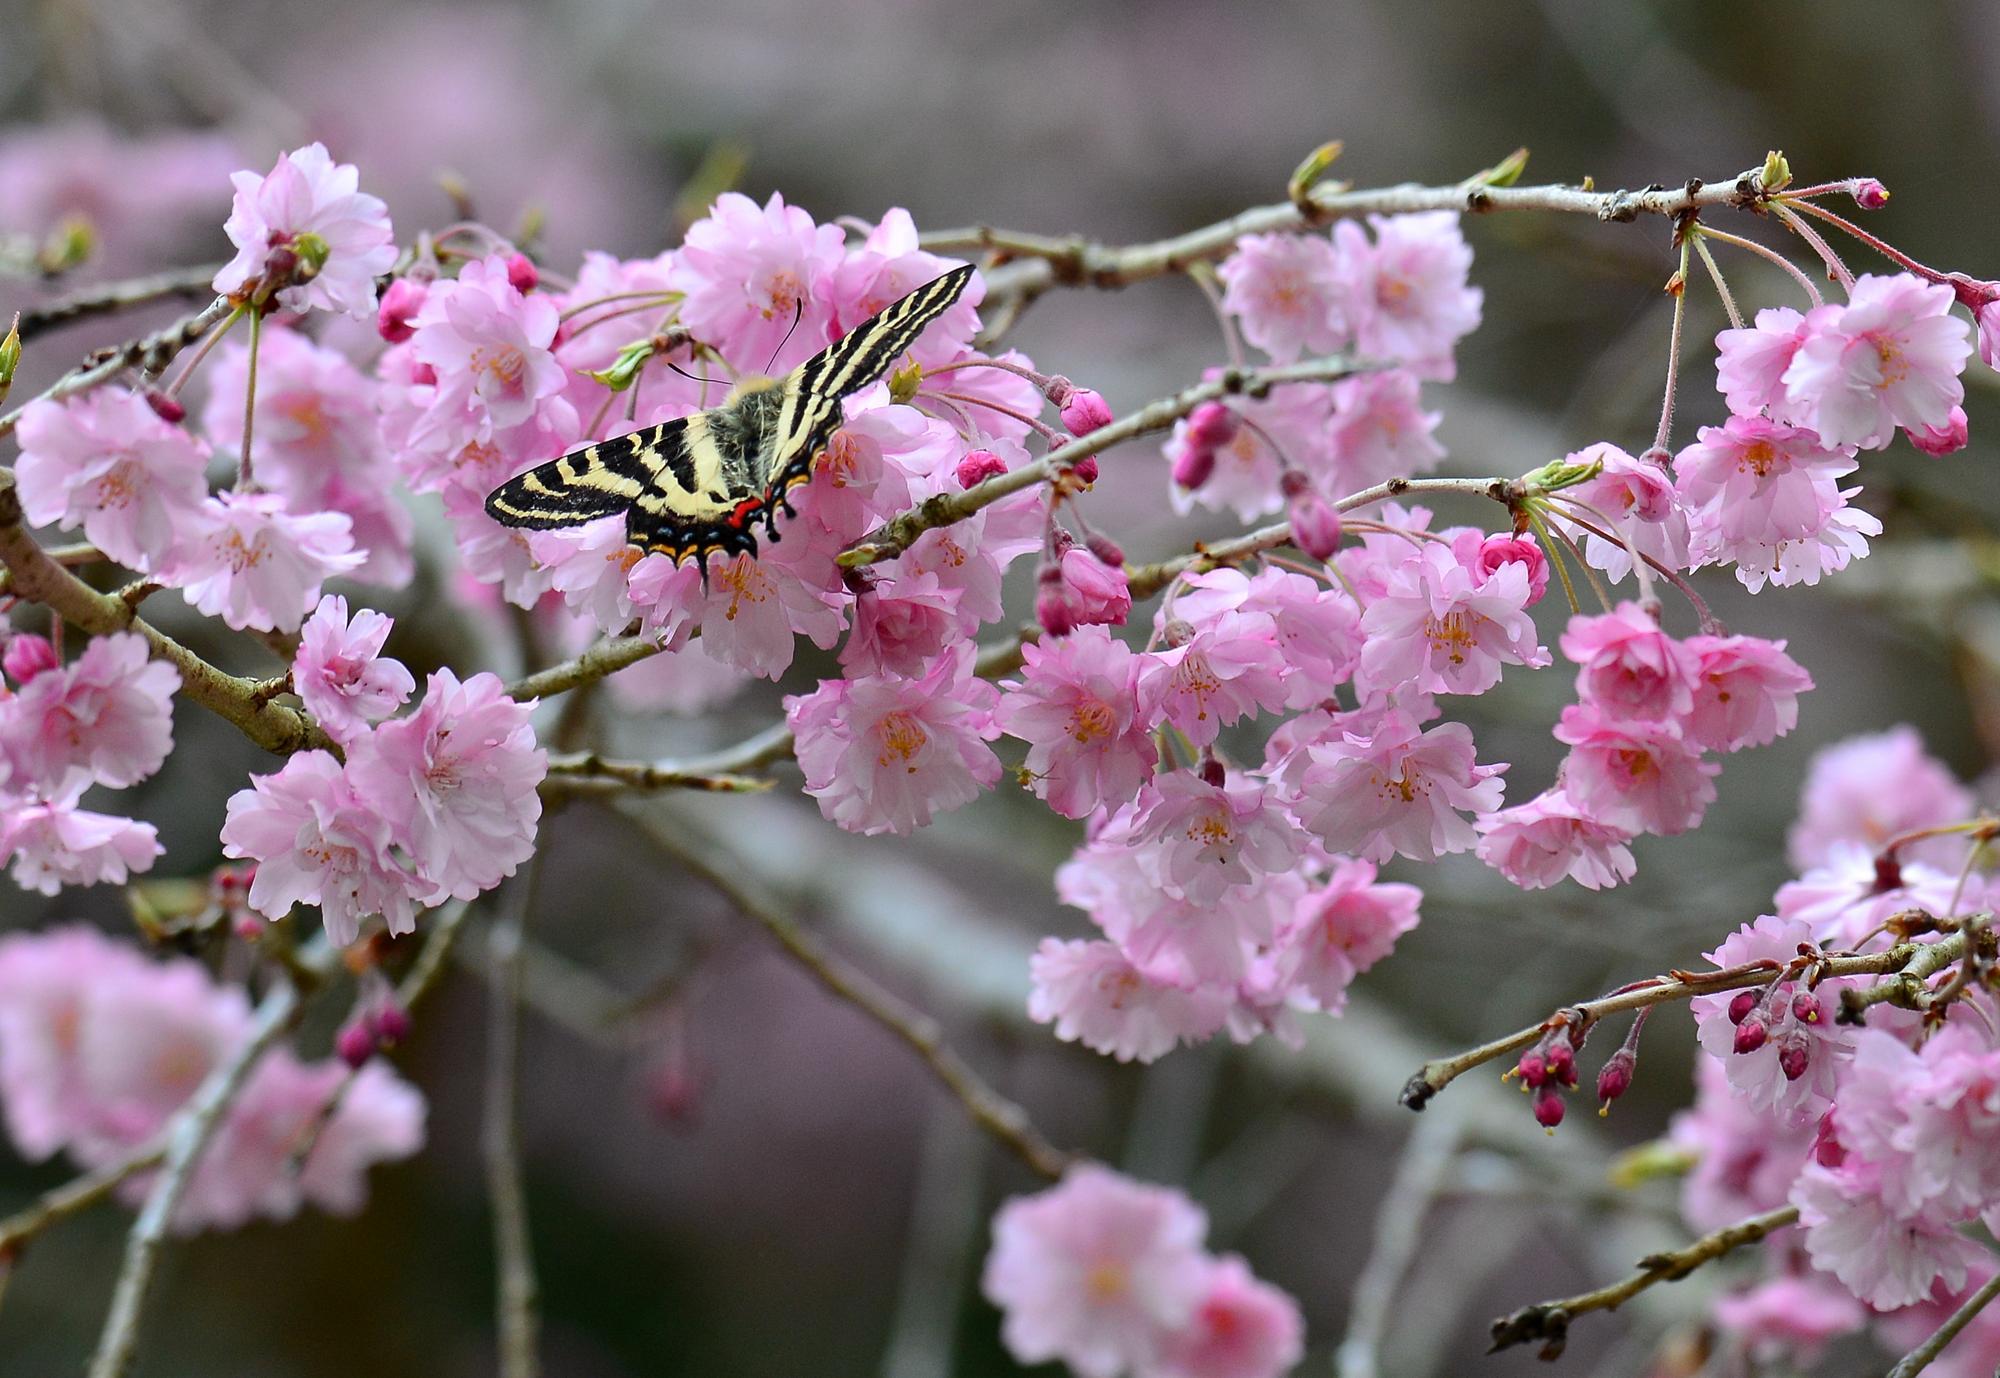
749, 384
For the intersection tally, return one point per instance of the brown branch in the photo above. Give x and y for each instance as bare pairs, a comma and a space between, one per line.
1901, 959
606, 657
1919, 1359
108, 297
990, 1110
1031, 264
1548, 1321
36, 577
77, 1194
588, 773
152, 353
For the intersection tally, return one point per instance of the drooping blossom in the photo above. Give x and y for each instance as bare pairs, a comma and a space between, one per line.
1890, 356
1080, 590
1540, 842
1503, 549
1753, 484
1076, 705
1872, 788
1239, 452
900, 625
1628, 668
488, 344
105, 461
1399, 790
1746, 692
1214, 837
1378, 430
1225, 670
456, 780
1438, 627
1782, 1048
1242, 1327
751, 273
1750, 363
307, 193
340, 673
1340, 929
1790, 1319
1885, 1258
107, 717
1096, 996
1745, 1159
1288, 292
885, 754
51, 843
1095, 1271
1638, 777
316, 841
1407, 295
259, 567
1848, 901
1317, 630
1637, 496
886, 266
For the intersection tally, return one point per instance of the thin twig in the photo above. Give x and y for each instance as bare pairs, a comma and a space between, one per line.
588, 773
77, 1194
990, 1110
517, 1293
105, 298
152, 352
605, 658
1548, 1321
187, 1135
1918, 1359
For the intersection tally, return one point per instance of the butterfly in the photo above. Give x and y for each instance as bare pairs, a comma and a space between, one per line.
702, 483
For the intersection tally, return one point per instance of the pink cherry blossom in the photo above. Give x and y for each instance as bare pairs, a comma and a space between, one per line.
105, 461
1890, 357
307, 193
107, 717
900, 625
1378, 431
883, 754
1946, 438
1752, 482
1224, 671
1745, 1160
256, 566
1885, 1258
888, 265
1407, 294
1318, 630
315, 414
489, 346
1842, 538
1869, 789
1746, 692
49, 981
1635, 776
755, 604
1095, 1271
751, 274
1629, 668
1437, 627
1288, 292
1080, 590
1396, 791
1245, 455
1540, 842
1214, 837
1076, 705
1846, 902
1492, 552
1750, 362
1095, 996
1242, 1327
52, 843
1784, 1053
340, 673
1637, 497
456, 781
1339, 930
316, 841
1790, 1318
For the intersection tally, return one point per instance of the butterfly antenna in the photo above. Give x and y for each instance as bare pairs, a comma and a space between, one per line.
798, 314
695, 377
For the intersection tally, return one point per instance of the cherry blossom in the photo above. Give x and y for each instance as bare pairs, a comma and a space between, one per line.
51, 843
1095, 996
1869, 789
307, 194
1438, 627
1398, 790
107, 462
107, 717
1890, 357
1746, 692
1628, 668
340, 673
1288, 291
257, 566
751, 274
1407, 294
1636, 776
1214, 837
1242, 1327
1540, 842
1076, 705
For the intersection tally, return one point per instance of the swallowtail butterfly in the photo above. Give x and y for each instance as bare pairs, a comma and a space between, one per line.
704, 482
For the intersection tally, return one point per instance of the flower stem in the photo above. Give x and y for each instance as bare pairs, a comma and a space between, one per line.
243, 476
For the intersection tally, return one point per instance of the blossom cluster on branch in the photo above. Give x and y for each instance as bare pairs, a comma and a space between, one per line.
1243, 761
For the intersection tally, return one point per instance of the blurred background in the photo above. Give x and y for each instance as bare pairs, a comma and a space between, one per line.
732, 1174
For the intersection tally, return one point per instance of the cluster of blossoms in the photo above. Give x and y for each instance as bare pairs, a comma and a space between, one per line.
99, 1046
1109, 1276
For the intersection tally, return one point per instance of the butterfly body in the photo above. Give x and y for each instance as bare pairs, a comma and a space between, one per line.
702, 484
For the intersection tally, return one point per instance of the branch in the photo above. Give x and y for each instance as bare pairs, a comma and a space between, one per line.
1548, 1321
1918, 1359
606, 657
1041, 262
187, 1135
39, 579
517, 1294
588, 773
77, 1194
1904, 957
990, 1110
899, 533
108, 297
152, 352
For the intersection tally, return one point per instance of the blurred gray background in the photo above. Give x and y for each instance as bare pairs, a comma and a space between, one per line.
823, 1208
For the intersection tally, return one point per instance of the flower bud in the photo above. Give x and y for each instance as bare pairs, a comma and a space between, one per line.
68, 245
355, 1043
1826, 1149
28, 655
1084, 467
1805, 1008
1496, 551
1868, 193
1533, 1068
522, 274
1740, 1005
1751, 1033
978, 466
1193, 467
1549, 1107
1085, 411
392, 1023
1947, 439
166, 408
1211, 425
1794, 1052
1213, 773
1562, 1061
1052, 609
1315, 523
1616, 1078
395, 316
1106, 550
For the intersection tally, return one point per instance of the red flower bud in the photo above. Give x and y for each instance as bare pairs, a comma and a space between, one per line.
1805, 1008
1616, 1078
355, 1043
1794, 1052
1315, 524
1085, 468
978, 466
1211, 425
1085, 411
398, 309
1052, 608
1533, 1068
1751, 1033
1549, 1107
1106, 549
166, 408
1740, 1005
1562, 1062
28, 655
392, 1023
1868, 193
522, 274
1194, 466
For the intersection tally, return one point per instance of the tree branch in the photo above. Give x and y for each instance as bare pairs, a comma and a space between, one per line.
1918, 1359
990, 1110
108, 297
606, 657
1434, 1076
152, 352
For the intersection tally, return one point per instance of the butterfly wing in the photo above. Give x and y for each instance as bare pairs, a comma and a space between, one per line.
597, 480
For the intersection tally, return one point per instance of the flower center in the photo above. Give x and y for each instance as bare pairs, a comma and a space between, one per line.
1106, 1282
1451, 634
1090, 720
902, 737
1758, 457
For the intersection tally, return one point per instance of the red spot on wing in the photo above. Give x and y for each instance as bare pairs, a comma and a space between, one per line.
743, 512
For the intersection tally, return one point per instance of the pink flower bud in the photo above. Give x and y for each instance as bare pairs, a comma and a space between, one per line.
1868, 193
1052, 609
1084, 468
399, 307
1616, 1078
1106, 549
1549, 1107
1315, 524
1211, 425
1947, 439
1751, 1033
1562, 1062
1740, 1005
1826, 1149
1794, 1052
27, 656
355, 1043
423, 375
1085, 411
1496, 551
522, 274
1805, 1008
166, 408
978, 466
1533, 1068
1194, 466
392, 1023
